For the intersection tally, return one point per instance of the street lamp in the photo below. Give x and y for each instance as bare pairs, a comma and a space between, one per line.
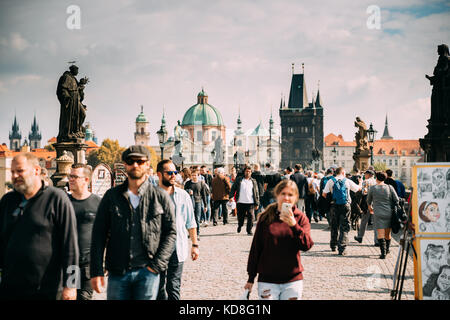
162, 136
371, 137
334, 152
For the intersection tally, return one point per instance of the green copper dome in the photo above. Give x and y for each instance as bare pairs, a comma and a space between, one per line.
141, 117
202, 113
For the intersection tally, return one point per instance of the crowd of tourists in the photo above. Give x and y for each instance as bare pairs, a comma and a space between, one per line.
133, 242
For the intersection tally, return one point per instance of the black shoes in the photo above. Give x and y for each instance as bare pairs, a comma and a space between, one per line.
333, 249
342, 252
214, 223
250, 233
388, 244
382, 243
239, 229
358, 239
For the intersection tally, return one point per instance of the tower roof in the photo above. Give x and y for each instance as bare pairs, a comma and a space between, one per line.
15, 133
141, 117
34, 134
297, 96
386, 135
319, 103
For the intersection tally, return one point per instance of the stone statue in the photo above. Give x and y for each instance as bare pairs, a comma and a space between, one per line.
218, 151
178, 134
70, 94
440, 80
361, 135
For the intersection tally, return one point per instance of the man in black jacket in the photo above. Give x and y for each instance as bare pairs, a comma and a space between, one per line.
259, 177
38, 237
302, 184
136, 223
247, 199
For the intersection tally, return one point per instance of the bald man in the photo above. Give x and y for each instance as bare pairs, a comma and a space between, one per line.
38, 237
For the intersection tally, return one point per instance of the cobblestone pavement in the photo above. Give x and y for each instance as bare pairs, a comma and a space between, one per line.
220, 271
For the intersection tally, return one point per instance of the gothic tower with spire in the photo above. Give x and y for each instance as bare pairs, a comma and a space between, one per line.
15, 137
301, 125
386, 135
35, 136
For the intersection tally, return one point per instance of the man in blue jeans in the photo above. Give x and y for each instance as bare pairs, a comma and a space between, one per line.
170, 281
136, 223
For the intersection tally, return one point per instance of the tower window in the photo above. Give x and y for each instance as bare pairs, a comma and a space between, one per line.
142, 130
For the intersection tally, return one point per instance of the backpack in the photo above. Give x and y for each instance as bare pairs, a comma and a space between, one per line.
323, 183
339, 191
311, 189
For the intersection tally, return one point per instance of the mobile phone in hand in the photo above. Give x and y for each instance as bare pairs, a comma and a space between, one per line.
285, 207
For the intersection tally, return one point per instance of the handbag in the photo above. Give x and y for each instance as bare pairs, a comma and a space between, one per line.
395, 221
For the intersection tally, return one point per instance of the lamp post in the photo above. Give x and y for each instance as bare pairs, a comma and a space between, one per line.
371, 137
334, 156
162, 136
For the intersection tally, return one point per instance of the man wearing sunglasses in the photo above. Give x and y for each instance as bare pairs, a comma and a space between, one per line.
38, 237
169, 287
136, 223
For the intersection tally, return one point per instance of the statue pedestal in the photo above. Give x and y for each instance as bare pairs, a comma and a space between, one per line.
362, 160
67, 153
76, 150
436, 143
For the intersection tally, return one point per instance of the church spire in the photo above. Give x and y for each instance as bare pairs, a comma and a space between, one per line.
386, 135
15, 136
35, 136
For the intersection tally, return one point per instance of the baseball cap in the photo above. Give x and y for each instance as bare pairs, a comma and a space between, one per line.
136, 151
370, 172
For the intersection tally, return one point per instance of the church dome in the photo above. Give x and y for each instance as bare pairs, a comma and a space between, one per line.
202, 113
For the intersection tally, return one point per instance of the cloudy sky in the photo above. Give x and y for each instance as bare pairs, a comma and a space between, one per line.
160, 54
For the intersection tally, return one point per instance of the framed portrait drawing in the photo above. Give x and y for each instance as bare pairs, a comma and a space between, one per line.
431, 198
433, 269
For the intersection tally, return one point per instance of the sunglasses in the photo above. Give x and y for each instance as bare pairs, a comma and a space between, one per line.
130, 162
73, 176
171, 172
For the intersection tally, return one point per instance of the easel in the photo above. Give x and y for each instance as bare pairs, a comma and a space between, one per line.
406, 243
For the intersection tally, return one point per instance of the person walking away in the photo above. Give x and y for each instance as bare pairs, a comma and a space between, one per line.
247, 195
380, 200
207, 179
136, 224
302, 184
197, 189
38, 237
324, 204
85, 204
310, 197
170, 280
368, 182
340, 187
259, 177
271, 179
221, 188
279, 238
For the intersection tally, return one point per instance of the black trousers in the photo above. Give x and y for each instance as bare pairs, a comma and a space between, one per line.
216, 206
340, 226
245, 210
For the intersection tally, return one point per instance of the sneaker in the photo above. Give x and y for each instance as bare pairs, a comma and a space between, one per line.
358, 239
342, 252
214, 224
206, 224
239, 229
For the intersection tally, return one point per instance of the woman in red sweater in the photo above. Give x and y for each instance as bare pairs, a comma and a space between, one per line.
275, 252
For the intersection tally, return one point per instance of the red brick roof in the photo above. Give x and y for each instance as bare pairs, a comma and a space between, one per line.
381, 147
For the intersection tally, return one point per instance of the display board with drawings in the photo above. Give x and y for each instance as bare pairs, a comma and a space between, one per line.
433, 198
434, 266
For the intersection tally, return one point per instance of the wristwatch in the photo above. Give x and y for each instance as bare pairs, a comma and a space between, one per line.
195, 245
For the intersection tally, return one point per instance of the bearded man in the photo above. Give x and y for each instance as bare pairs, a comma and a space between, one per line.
38, 237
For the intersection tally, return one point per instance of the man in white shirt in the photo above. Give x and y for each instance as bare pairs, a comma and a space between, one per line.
170, 279
247, 196
340, 188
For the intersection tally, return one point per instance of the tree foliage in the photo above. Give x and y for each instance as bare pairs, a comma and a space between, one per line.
109, 153
154, 158
380, 166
